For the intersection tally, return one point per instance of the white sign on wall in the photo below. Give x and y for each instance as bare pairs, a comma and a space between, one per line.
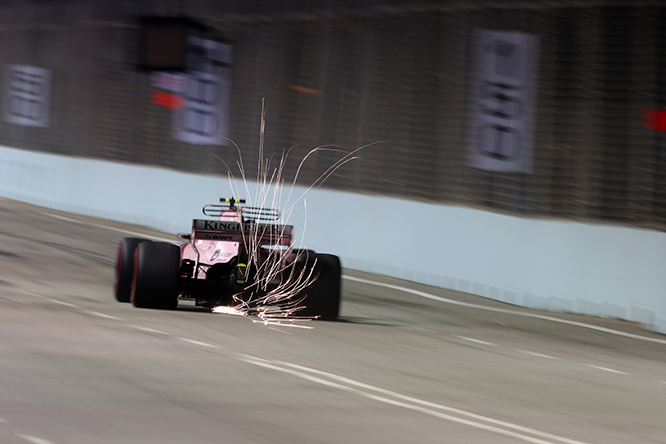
27, 95
502, 117
204, 116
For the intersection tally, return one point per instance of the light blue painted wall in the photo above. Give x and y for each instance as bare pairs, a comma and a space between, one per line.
600, 270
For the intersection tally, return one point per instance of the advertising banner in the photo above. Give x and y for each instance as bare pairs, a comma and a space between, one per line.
203, 117
502, 115
27, 95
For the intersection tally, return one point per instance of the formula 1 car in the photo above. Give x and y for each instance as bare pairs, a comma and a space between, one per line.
242, 259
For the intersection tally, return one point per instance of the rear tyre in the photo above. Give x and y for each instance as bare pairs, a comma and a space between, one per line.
157, 266
122, 287
322, 296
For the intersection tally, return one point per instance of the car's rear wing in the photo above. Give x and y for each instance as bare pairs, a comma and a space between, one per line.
229, 231
229, 207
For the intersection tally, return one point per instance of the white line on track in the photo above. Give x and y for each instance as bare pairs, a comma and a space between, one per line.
58, 216
539, 355
102, 315
66, 304
150, 330
503, 310
3, 421
606, 369
120, 230
199, 343
478, 341
55, 301
408, 402
34, 440
416, 328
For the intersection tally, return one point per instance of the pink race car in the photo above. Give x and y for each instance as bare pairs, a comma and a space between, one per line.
241, 259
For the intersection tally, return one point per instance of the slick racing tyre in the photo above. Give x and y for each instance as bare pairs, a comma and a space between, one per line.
322, 296
125, 268
157, 272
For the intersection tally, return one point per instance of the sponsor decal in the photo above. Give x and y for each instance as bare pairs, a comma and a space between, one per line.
217, 237
247, 227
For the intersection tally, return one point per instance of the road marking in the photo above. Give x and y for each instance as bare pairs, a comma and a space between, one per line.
49, 299
606, 369
120, 230
501, 323
478, 341
58, 216
539, 355
503, 310
408, 402
150, 330
35, 440
417, 328
195, 342
102, 315
66, 304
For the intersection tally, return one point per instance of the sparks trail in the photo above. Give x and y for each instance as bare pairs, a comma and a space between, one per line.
245, 262
295, 270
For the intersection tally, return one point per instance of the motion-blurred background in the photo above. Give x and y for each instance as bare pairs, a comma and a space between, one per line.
552, 109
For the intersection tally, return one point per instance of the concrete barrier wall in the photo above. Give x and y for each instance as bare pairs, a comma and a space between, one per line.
599, 270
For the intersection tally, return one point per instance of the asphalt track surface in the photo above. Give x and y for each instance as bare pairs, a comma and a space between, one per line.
406, 363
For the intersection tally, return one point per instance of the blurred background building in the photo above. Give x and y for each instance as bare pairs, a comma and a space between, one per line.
350, 73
